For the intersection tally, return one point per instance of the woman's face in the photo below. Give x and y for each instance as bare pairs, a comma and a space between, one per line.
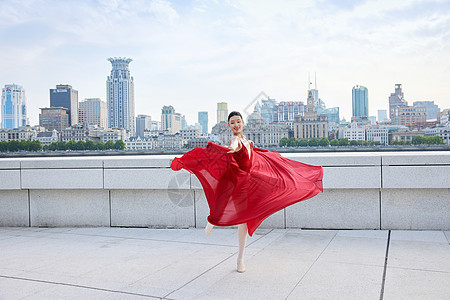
236, 124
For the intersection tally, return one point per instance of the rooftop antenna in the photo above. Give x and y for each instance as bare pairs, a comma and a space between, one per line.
309, 82
315, 80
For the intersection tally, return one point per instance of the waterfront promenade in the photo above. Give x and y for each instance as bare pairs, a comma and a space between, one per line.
141, 263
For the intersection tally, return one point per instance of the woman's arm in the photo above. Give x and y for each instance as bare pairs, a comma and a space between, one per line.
235, 144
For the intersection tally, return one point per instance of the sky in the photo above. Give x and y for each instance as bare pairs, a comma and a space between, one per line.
193, 54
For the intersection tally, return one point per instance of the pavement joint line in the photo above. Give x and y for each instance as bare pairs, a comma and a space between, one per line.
423, 270
147, 239
317, 258
219, 263
78, 286
385, 266
447, 237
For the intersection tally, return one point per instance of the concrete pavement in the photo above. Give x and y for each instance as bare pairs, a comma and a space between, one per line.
141, 263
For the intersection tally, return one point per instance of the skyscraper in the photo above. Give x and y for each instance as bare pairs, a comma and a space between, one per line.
360, 102
65, 96
120, 95
222, 112
92, 111
433, 111
14, 110
54, 118
396, 99
143, 122
170, 120
382, 115
203, 120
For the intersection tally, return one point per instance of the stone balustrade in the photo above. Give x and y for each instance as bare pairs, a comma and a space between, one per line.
401, 190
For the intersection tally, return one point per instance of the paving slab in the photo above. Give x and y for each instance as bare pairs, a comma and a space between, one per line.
135, 263
416, 284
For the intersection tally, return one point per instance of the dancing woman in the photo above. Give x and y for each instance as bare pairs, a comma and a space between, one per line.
244, 185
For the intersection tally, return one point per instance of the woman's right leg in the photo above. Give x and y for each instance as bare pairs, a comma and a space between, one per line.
242, 236
208, 228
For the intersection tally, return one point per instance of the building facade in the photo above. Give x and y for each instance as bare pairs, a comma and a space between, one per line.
18, 134
13, 109
433, 111
143, 123
360, 102
93, 111
269, 110
409, 115
396, 99
311, 125
355, 132
203, 120
170, 120
288, 110
382, 115
120, 95
54, 118
65, 96
377, 134
263, 134
222, 112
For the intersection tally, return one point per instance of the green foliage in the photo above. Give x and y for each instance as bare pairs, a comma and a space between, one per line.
313, 142
119, 145
353, 143
109, 145
100, 146
334, 142
324, 142
292, 142
303, 142
343, 142
284, 141
90, 145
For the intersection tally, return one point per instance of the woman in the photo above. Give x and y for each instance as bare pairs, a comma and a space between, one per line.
244, 185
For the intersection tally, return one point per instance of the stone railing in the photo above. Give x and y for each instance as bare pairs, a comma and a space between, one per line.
361, 191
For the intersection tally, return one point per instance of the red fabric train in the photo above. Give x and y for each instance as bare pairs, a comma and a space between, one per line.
242, 189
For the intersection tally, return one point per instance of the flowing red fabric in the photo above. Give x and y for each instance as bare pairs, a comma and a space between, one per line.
241, 190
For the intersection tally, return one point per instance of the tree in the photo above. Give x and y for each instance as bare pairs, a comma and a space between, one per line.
13, 146
283, 141
334, 142
418, 140
292, 142
324, 142
72, 145
109, 145
343, 142
100, 146
90, 145
313, 142
353, 143
303, 142
35, 145
119, 145
434, 140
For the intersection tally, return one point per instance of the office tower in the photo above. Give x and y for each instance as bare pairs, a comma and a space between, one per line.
65, 96
170, 120
184, 123
396, 99
14, 109
269, 110
372, 119
120, 95
203, 120
409, 115
222, 112
382, 115
333, 115
288, 110
433, 111
93, 111
360, 102
143, 123
54, 118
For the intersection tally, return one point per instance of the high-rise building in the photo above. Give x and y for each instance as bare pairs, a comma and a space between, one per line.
222, 112
14, 109
433, 111
269, 110
310, 124
360, 102
93, 111
65, 96
120, 95
143, 122
396, 99
409, 115
203, 120
288, 110
54, 118
382, 115
170, 120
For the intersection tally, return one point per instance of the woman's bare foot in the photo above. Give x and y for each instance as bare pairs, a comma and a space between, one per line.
240, 266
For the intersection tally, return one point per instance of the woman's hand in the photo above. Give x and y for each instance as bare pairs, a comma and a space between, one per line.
239, 146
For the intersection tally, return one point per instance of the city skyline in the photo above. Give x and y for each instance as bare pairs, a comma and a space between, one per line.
203, 53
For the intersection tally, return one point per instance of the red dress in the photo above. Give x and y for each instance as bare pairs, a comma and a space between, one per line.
242, 189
